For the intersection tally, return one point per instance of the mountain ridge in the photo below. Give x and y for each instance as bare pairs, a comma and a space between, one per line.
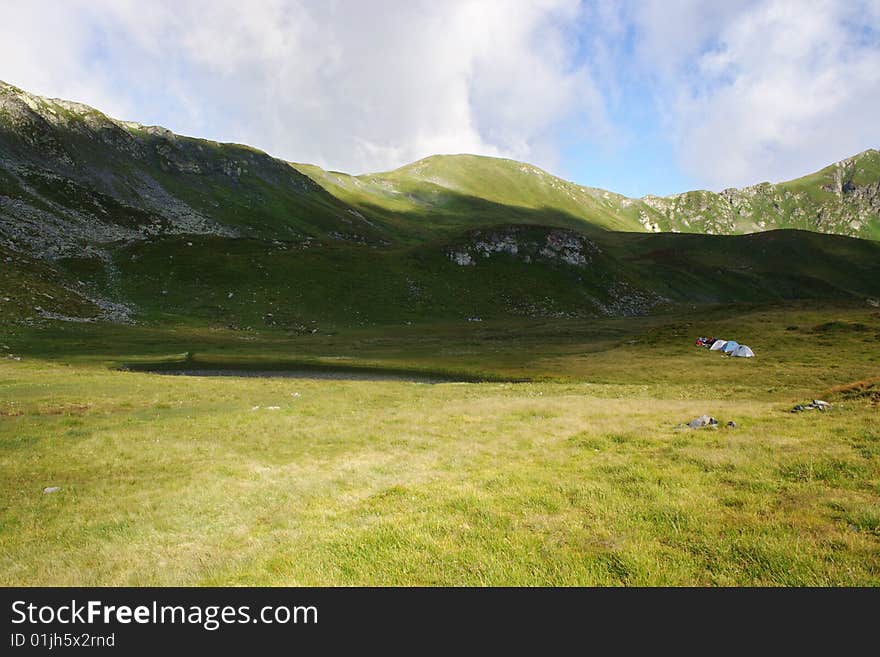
133, 163
107, 220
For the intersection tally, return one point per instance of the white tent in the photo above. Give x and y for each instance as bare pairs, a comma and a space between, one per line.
743, 352
718, 345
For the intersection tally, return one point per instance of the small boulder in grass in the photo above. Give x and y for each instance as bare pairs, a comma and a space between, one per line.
702, 421
816, 404
51, 489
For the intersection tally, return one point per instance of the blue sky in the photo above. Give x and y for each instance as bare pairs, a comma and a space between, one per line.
647, 96
638, 159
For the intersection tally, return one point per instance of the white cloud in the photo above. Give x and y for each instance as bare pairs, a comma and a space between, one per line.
765, 91
39, 50
352, 85
747, 90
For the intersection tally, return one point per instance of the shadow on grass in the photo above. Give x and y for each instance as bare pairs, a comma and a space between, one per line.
295, 369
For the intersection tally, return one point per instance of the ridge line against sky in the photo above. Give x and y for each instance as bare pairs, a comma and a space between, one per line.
638, 97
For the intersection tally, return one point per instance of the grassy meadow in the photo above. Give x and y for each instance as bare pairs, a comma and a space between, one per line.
581, 475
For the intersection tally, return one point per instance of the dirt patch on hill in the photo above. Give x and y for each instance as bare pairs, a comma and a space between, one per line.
866, 390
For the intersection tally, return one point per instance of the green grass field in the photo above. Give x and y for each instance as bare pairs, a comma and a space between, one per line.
579, 476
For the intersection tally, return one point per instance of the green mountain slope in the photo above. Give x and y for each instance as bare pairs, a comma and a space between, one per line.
519, 272
511, 183
443, 193
102, 219
72, 178
843, 198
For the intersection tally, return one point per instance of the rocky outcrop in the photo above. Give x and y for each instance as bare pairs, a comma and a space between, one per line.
56, 200
626, 300
600, 290
555, 246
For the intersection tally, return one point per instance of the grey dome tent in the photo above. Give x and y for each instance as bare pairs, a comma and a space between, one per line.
718, 345
743, 352
730, 347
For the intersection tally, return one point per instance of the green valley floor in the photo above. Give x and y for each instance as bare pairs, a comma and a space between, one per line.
558, 458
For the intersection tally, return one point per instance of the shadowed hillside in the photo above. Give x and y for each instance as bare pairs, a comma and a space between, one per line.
113, 220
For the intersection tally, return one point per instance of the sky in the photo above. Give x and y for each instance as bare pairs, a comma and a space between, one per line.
639, 97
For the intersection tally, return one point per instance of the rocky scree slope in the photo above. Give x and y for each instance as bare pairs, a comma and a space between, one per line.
73, 180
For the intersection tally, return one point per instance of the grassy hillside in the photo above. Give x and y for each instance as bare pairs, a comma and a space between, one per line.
510, 183
773, 265
514, 272
416, 209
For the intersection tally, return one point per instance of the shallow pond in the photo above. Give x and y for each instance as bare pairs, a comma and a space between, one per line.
335, 375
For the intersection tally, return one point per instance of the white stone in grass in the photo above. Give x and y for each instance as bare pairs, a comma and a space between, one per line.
51, 489
702, 421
